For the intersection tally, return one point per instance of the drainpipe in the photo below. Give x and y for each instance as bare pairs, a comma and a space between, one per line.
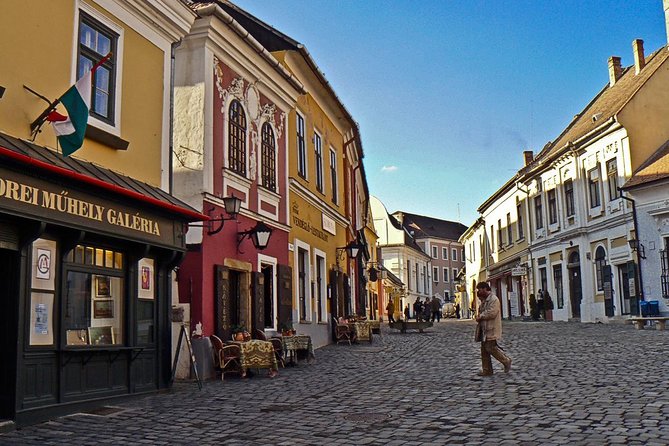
173, 47
638, 257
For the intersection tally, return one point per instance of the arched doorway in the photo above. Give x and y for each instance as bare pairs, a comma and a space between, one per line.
575, 292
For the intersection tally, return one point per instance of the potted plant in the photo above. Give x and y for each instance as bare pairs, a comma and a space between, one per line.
287, 329
239, 333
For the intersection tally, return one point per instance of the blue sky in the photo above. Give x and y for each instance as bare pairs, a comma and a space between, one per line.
448, 94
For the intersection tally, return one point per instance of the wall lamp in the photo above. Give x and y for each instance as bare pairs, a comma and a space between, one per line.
231, 205
352, 249
376, 271
637, 247
259, 235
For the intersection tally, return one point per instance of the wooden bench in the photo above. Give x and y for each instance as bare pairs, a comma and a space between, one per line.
403, 326
639, 322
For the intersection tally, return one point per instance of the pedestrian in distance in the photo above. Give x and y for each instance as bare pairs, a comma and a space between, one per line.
436, 309
489, 330
418, 309
540, 304
390, 308
457, 310
427, 310
407, 313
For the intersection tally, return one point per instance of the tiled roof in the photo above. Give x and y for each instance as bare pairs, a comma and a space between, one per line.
431, 227
653, 169
33, 152
606, 104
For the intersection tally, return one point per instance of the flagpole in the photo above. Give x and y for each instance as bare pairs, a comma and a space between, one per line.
37, 123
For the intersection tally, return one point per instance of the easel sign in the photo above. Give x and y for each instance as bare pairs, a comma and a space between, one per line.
184, 334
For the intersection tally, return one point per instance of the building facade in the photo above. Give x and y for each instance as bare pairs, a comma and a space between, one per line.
88, 242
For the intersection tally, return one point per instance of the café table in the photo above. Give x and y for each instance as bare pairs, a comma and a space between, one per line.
363, 330
291, 344
257, 354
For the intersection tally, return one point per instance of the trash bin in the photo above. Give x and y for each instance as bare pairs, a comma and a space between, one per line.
644, 307
653, 308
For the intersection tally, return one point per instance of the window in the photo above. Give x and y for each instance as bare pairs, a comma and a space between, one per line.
445, 271
454, 271
538, 213
519, 221
552, 207
320, 287
301, 148
454, 254
268, 157
302, 268
444, 253
447, 296
462, 254
95, 298
333, 175
612, 175
593, 188
509, 229
237, 138
600, 263
435, 252
569, 198
492, 238
318, 149
435, 274
500, 241
408, 274
664, 262
557, 280
95, 42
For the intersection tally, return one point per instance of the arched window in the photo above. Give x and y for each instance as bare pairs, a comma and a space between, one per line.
268, 160
237, 138
600, 263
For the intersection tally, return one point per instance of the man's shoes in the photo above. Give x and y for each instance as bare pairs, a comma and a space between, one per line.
507, 366
482, 373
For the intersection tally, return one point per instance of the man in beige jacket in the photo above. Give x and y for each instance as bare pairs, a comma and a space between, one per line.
489, 330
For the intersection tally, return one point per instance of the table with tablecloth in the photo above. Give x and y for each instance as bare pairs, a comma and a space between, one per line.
363, 330
257, 354
291, 344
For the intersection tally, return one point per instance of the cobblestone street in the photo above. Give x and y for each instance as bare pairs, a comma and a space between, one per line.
570, 384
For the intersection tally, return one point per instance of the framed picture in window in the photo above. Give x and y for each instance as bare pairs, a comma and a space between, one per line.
103, 309
102, 286
101, 335
146, 272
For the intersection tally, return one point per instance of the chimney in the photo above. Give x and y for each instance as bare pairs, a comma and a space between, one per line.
615, 70
666, 17
639, 60
528, 155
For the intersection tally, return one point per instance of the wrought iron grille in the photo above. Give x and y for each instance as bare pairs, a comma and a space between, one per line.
665, 273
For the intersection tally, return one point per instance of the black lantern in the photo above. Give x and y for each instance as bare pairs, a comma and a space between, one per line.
259, 235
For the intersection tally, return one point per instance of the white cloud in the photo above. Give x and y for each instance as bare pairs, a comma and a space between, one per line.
389, 168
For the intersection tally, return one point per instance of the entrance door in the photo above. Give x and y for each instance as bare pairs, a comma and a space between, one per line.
575, 292
9, 298
625, 287
269, 301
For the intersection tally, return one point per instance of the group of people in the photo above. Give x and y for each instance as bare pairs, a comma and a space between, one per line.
430, 310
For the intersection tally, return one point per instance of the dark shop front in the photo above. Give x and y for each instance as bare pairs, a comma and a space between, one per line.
85, 289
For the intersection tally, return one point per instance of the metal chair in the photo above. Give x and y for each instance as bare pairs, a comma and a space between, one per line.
344, 333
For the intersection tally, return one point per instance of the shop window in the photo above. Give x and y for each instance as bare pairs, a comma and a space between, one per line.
94, 307
145, 301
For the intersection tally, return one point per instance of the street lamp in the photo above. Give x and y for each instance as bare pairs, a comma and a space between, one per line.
231, 206
637, 247
352, 249
259, 235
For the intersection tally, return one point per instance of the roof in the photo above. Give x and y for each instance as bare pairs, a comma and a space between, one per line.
606, 104
47, 161
423, 226
655, 168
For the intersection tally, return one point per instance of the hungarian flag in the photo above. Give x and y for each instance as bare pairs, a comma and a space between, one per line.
71, 129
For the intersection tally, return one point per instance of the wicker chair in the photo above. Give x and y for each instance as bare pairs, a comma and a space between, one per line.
278, 351
259, 334
344, 333
227, 358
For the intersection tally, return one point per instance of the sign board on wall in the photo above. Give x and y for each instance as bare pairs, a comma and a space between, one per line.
329, 225
519, 271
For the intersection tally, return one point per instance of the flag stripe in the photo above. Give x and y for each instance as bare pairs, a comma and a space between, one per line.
77, 101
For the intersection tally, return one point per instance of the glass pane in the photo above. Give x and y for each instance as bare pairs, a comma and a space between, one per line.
94, 309
104, 44
99, 257
85, 65
88, 256
102, 79
69, 257
101, 103
79, 254
87, 36
145, 322
109, 259
118, 260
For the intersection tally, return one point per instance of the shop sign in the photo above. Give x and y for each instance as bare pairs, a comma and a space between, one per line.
53, 203
519, 271
329, 225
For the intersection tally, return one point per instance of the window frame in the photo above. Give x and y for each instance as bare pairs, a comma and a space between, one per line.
509, 229
519, 221
612, 179
538, 212
551, 196
445, 274
333, 176
600, 263
237, 138
435, 274
100, 25
594, 193
435, 252
454, 254
318, 157
570, 207
300, 130
268, 157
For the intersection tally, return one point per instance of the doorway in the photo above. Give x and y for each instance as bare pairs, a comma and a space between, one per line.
9, 302
624, 285
575, 292
268, 296
235, 298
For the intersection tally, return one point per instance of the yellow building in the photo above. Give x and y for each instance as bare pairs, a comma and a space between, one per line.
87, 242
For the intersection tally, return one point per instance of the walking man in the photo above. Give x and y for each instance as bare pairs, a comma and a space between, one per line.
489, 330
390, 308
